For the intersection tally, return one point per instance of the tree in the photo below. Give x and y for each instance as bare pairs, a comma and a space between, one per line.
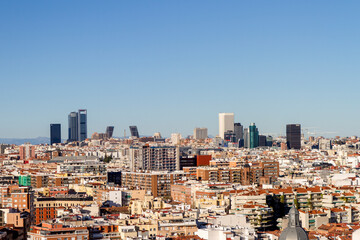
282, 199
107, 159
296, 203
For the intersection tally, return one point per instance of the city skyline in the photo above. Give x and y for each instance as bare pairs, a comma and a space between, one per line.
178, 120
300, 63
119, 132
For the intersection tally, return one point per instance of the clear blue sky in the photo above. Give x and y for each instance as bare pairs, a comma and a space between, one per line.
170, 66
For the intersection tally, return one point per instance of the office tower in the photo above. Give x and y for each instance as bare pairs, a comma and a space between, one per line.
262, 141
239, 131
134, 131
55, 133
269, 141
73, 127
200, 133
77, 125
82, 124
293, 136
109, 131
226, 123
253, 136
246, 138
241, 143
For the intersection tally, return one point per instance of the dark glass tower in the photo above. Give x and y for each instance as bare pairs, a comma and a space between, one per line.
253, 135
262, 141
134, 131
239, 131
109, 131
293, 136
55, 133
73, 127
82, 124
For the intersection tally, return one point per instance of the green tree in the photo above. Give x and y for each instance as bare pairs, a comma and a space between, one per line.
107, 159
282, 199
296, 203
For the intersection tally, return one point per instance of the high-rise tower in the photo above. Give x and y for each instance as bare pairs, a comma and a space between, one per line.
246, 138
109, 131
55, 133
253, 136
82, 124
239, 131
293, 136
134, 131
73, 127
200, 133
78, 125
226, 123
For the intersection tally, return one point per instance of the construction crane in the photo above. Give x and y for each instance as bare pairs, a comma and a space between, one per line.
315, 132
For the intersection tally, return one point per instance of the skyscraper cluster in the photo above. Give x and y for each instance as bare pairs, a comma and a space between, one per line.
249, 137
77, 128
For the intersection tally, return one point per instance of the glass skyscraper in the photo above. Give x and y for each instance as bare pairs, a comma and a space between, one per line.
293, 136
73, 127
134, 131
253, 136
78, 126
109, 131
82, 124
239, 131
55, 133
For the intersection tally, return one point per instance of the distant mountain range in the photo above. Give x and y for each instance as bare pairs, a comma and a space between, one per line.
19, 141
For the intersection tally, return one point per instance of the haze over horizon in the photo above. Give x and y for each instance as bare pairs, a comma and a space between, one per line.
171, 66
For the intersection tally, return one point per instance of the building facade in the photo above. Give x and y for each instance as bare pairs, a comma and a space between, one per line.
200, 133
55, 133
226, 123
293, 136
77, 125
253, 136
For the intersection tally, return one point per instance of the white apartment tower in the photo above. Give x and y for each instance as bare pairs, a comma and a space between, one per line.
175, 138
226, 123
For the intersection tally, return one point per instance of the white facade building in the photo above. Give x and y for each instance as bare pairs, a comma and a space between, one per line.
226, 123
175, 138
